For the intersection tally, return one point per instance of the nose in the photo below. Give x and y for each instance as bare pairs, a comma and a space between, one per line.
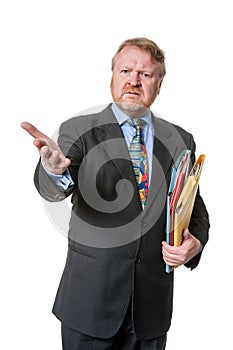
134, 79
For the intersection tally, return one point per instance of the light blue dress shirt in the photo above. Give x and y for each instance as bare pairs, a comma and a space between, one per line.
65, 180
129, 132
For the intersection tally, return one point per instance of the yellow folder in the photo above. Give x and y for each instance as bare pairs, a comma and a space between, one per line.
185, 203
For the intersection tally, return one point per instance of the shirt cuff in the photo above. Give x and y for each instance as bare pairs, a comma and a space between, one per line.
65, 180
201, 248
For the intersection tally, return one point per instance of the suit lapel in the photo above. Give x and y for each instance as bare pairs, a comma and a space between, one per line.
112, 140
110, 135
164, 153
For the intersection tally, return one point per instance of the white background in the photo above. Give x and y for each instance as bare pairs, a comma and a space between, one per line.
55, 62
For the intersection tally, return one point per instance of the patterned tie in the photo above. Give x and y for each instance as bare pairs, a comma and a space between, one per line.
138, 155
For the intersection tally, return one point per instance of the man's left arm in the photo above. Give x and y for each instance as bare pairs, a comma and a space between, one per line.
196, 235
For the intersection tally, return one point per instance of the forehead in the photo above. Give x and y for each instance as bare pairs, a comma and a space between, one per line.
133, 56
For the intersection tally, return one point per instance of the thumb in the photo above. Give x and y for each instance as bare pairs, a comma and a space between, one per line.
186, 234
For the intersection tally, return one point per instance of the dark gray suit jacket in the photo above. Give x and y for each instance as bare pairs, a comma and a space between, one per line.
114, 248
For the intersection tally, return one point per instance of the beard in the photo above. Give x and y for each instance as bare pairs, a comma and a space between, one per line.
133, 110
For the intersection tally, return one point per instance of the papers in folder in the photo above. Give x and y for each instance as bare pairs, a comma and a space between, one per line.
181, 196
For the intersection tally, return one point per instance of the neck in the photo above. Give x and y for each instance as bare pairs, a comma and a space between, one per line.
132, 110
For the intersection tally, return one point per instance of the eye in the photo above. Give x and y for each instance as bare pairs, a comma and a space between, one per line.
125, 71
146, 75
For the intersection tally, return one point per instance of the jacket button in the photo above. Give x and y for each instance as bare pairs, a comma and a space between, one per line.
138, 260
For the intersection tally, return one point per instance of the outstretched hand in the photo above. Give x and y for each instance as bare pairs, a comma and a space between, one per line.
51, 155
176, 256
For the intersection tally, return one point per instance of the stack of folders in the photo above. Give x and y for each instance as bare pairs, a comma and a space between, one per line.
181, 197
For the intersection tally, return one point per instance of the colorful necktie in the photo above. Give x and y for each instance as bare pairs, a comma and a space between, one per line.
138, 155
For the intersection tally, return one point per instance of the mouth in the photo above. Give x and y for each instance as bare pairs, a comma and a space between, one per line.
132, 93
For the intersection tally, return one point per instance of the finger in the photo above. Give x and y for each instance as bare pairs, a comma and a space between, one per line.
46, 153
171, 260
165, 244
170, 249
67, 162
33, 131
54, 160
187, 235
39, 143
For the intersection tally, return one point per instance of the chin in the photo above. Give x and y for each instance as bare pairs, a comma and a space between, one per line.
132, 109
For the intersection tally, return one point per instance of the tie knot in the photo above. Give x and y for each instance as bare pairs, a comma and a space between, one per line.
135, 122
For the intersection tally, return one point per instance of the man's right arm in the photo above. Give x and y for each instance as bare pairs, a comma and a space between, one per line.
55, 163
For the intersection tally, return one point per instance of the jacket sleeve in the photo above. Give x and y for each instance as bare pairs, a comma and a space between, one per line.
199, 227
199, 223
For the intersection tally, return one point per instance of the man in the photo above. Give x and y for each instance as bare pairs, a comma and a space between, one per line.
114, 292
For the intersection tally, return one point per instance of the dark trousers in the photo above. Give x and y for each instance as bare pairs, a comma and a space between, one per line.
125, 339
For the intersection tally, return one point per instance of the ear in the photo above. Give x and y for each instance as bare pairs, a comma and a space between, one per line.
159, 85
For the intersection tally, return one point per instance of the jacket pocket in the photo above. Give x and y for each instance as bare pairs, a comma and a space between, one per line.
81, 252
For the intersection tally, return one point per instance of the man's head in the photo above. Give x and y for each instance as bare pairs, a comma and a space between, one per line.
137, 73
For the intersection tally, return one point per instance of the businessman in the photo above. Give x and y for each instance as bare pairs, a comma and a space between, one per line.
114, 292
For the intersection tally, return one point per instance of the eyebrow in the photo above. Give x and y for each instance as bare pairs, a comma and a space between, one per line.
144, 69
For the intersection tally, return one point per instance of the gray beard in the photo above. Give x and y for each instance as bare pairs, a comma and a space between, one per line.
132, 110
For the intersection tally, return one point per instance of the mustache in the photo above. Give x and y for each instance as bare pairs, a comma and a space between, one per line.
132, 89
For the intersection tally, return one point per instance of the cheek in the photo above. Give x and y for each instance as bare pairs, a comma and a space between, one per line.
116, 87
150, 92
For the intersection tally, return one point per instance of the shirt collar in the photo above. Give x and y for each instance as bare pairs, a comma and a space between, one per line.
122, 117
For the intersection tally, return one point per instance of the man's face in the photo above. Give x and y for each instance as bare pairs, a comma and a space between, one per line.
136, 79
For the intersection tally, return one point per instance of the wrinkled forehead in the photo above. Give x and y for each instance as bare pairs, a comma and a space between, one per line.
134, 57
